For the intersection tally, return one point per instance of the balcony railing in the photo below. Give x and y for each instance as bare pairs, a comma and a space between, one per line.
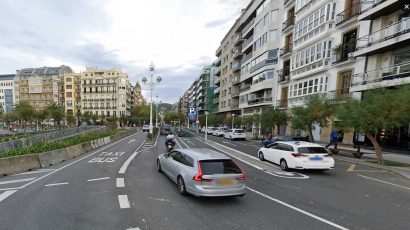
245, 88
287, 1
389, 32
370, 4
249, 25
235, 66
286, 50
237, 39
236, 80
216, 100
348, 13
288, 23
260, 100
247, 42
383, 74
340, 94
284, 78
246, 57
282, 103
262, 64
235, 93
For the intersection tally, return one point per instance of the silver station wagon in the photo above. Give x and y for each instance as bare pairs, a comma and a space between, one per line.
203, 172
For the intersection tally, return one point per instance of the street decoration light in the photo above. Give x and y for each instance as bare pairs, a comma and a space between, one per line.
151, 86
233, 119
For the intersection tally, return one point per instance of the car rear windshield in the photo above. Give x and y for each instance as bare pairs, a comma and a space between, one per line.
312, 150
211, 167
239, 131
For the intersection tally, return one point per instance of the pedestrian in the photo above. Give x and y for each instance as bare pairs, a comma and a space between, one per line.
333, 139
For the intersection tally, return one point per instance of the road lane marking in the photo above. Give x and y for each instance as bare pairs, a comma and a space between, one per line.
65, 166
120, 183
276, 174
134, 228
156, 140
229, 143
382, 181
184, 143
56, 184
29, 173
97, 179
178, 144
297, 209
128, 161
17, 181
6, 194
132, 140
123, 200
353, 166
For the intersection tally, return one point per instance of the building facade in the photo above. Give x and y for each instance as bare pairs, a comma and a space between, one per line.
138, 99
40, 86
6, 92
105, 92
70, 93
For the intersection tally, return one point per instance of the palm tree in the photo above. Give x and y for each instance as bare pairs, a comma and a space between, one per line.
56, 112
25, 113
70, 120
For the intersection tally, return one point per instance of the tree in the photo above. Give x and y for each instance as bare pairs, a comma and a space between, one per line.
123, 120
25, 113
317, 110
379, 109
86, 117
41, 116
174, 116
71, 120
57, 113
272, 117
112, 123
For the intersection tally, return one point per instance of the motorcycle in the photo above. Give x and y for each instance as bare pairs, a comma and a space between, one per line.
170, 145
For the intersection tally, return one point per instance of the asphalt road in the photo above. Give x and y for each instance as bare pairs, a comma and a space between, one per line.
118, 187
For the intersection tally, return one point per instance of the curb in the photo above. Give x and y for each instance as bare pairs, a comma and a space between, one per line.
23, 163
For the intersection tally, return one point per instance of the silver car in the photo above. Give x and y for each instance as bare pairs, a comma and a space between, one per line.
203, 172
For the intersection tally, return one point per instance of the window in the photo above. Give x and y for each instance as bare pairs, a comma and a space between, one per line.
210, 167
272, 35
69, 103
274, 15
69, 94
68, 79
69, 87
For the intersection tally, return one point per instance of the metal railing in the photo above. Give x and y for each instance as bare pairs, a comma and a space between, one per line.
282, 103
216, 100
370, 4
288, 23
245, 88
286, 50
235, 66
339, 94
237, 38
249, 25
384, 34
348, 13
247, 57
247, 42
260, 100
382, 74
262, 64
284, 78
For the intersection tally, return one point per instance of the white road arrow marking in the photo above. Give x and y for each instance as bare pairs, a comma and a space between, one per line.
129, 142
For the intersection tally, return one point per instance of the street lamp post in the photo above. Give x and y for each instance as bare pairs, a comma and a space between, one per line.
206, 125
233, 119
151, 85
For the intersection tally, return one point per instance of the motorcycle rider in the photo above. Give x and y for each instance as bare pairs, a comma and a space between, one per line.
170, 137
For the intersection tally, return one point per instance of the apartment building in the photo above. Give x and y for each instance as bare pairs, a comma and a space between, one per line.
183, 103
229, 55
40, 86
260, 36
138, 99
105, 92
385, 46
217, 79
70, 93
6, 92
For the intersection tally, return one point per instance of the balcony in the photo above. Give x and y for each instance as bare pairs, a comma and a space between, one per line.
216, 90
340, 94
343, 52
245, 88
290, 22
382, 40
284, 79
246, 57
388, 76
234, 107
262, 64
287, 50
372, 9
237, 40
348, 14
247, 42
235, 66
260, 100
247, 28
283, 104
288, 2
236, 80
237, 54
310, 69
235, 93
216, 100
217, 81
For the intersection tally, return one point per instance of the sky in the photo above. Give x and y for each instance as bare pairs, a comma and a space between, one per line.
178, 36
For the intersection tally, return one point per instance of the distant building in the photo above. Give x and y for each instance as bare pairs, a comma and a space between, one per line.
138, 99
6, 92
70, 93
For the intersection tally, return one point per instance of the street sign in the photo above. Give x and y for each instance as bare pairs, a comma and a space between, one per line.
192, 116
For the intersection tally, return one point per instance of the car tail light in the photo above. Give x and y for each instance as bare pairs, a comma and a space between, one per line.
299, 155
198, 176
243, 177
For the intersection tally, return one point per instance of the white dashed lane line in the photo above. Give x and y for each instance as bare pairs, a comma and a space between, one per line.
123, 200
120, 183
97, 179
56, 184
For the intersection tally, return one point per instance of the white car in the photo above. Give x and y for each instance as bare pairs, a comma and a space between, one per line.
297, 155
202, 130
233, 134
219, 132
210, 130
145, 128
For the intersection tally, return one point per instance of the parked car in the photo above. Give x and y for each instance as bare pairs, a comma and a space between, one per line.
164, 129
202, 130
203, 172
219, 132
283, 138
145, 128
297, 155
234, 134
210, 130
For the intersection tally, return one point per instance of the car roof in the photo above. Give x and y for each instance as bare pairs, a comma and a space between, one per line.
204, 154
299, 144
237, 129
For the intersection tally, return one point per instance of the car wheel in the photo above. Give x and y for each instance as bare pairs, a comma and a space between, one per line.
261, 156
284, 165
159, 166
181, 186
230, 138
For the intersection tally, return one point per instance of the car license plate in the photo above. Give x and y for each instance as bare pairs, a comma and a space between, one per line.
316, 158
225, 181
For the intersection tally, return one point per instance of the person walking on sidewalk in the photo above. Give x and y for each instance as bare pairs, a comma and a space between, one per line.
333, 139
